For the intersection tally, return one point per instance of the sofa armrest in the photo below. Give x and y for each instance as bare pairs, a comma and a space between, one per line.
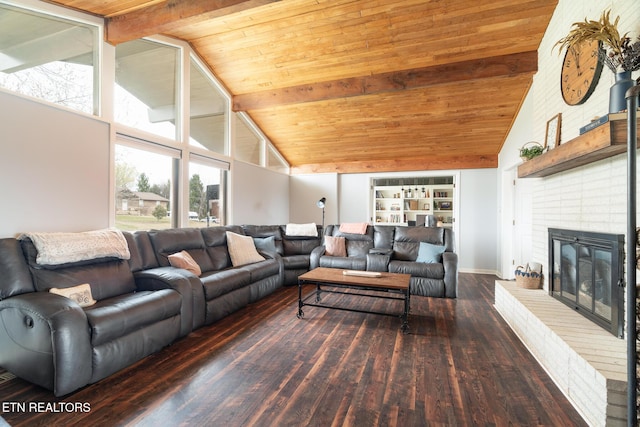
50, 332
314, 258
187, 284
378, 261
450, 263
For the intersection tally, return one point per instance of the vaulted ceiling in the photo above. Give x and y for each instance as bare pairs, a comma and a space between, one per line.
359, 85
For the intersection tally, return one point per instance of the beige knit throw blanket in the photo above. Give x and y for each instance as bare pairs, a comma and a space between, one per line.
62, 248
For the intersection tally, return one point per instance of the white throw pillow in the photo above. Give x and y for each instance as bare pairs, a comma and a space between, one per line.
80, 294
242, 249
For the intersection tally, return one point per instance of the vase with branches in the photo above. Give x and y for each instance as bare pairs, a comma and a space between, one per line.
618, 52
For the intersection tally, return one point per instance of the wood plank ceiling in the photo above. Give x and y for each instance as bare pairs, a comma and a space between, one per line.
359, 86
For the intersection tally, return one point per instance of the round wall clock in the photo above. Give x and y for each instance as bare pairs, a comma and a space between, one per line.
581, 70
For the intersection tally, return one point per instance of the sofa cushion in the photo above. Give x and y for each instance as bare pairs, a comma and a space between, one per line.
356, 244
242, 250
296, 262
429, 253
118, 316
215, 239
335, 246
419, 269
265, 231
184, 261
347, 263
143, 256
216, 283
15, 273
265, 244
167, 242
263, 269
299, 245
407, 241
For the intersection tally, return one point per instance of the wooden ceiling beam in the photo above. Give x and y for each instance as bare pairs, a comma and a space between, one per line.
162, 17
401, 165
497, 66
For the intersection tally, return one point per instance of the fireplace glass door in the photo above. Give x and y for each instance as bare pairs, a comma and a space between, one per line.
586, 272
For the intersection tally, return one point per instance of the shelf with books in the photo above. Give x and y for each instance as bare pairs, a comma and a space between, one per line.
410, 205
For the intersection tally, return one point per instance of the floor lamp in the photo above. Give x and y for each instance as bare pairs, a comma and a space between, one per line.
320, 203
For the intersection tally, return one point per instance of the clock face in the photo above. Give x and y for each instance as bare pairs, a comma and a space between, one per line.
581, 70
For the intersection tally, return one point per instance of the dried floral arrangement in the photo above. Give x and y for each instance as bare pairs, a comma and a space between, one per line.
617, 51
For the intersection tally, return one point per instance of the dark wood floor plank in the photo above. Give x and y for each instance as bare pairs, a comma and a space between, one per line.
459, 365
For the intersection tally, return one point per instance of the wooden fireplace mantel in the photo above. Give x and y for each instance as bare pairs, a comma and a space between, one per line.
600, 143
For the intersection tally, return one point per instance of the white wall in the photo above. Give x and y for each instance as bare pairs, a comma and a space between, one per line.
478, 240
478, 201
54, 169
306, 190
259, 196
591, 197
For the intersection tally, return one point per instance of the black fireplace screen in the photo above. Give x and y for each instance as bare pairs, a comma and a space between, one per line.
586, 274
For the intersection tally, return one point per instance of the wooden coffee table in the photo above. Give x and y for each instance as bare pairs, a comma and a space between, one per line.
328, 279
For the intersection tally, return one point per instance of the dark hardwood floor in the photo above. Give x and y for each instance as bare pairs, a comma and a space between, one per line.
460, 365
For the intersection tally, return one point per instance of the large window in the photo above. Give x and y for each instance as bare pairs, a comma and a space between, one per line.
49, 58
248, 144
206, 191
143, 186
209, 111
275, 161
146, 87
175, 134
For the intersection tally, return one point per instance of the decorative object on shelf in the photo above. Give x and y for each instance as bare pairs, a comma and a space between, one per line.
527, 277
581, 69
617, 99
552, 135
530, 150
617, 52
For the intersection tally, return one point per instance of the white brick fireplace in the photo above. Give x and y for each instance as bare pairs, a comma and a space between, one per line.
587, 363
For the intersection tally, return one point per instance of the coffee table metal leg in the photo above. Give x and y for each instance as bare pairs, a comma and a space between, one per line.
405, 315
300, 313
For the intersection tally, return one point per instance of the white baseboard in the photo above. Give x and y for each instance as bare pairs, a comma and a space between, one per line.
479, 271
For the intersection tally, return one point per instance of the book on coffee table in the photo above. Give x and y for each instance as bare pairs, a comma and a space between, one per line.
361, 273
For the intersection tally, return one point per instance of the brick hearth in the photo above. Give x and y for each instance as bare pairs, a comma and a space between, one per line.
586, 362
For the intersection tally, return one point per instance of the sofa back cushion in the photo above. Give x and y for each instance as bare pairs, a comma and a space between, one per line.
407, 240
108, 277
383, 236
143, 256
265, 232
15, 278
171, 241
357, 245
299, 245
215, 240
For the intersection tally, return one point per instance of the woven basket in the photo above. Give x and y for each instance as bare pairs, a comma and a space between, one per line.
527, 279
